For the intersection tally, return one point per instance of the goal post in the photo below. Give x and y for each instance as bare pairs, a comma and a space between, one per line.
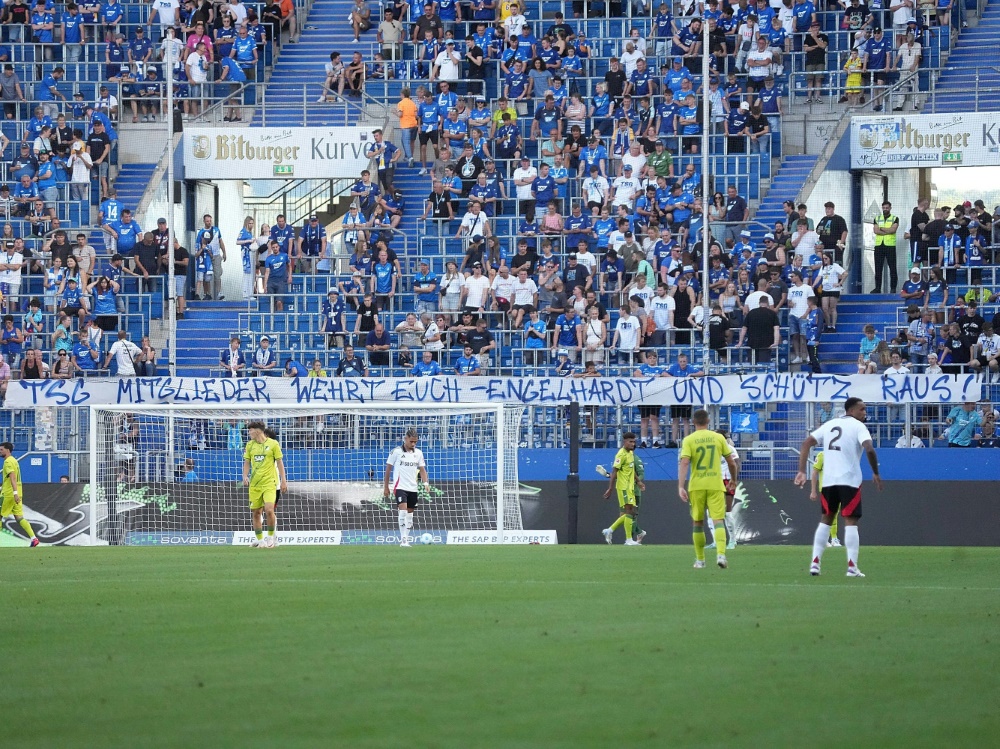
172, 473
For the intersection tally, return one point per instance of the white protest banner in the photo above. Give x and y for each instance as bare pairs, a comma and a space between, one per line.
907, 141
275, 152
598, 391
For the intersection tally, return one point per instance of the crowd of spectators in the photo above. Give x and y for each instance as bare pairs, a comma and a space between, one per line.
200, 41
944, 298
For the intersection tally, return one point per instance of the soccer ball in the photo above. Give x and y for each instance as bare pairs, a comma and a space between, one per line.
427, 538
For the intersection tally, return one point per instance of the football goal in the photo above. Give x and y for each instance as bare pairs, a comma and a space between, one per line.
172, 474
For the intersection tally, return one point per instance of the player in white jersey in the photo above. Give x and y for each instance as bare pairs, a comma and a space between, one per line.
843, 440
404, 466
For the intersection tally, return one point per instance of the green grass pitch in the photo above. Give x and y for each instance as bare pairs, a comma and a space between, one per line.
529, 646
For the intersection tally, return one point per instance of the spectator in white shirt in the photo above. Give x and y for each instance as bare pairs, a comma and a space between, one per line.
627, 337
475, 290
804, 240
447, 64
474, 222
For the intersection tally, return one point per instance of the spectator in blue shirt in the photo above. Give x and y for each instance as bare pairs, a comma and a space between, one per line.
264, 360
468, 363
543, 189
283, 233
46, 179
73, 35
25, 194
427, 367
85, 356
125, 232
49, 92
333, 319
24, 164
295, 368
276, 274
425, 288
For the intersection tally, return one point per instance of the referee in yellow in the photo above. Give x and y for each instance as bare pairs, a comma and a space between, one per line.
264, 474
700, 452
12, 492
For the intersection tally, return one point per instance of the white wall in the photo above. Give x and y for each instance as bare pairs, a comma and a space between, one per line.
903, 191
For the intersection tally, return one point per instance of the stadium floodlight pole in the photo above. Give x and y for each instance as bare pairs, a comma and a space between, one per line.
170, 296
706, 141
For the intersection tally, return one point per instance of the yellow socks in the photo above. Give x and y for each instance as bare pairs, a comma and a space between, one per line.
720, 538
628, 526
699, 545
23, 522
618, 523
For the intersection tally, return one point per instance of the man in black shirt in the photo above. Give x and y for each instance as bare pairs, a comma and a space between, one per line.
482, 342
181, 260
525, 256
439, 208
99, 148
429, 21
832, 230
572, 145
351, 365
933, 231
575, 275
147, 263
475, 56
468, 168
956, 352
59, 246
918, 222
971, 323
161, 236
761, 331
857, 14
614, 79
718, 326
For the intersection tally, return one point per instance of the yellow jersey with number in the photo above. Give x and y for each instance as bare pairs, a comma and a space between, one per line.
706, 450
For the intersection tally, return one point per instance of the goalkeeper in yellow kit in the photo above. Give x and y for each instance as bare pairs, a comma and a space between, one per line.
700, 452
815, 487
264, 474
622, 479
12, 492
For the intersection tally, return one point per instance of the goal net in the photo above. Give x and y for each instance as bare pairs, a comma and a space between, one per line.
173, 474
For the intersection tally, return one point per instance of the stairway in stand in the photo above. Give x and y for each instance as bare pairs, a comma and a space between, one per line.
204, 333
838, 352
973, 59
326, 30
786, 184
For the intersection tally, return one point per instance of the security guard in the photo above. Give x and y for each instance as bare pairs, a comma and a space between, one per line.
885, 227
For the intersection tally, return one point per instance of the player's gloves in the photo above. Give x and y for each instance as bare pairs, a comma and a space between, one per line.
602, 470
